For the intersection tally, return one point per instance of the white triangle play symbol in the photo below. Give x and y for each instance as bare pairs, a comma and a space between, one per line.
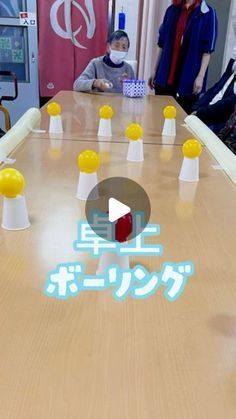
117, 209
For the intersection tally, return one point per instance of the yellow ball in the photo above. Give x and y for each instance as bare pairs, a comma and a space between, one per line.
106, 112
54, 109
88, 161
134, 132
12, 183
192, 148
169, 112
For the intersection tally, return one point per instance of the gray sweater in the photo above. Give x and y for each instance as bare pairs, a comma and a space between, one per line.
97, 69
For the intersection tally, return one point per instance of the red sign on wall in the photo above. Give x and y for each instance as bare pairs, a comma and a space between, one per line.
70, 34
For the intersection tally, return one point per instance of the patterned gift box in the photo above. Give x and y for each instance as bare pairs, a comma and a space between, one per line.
134, 88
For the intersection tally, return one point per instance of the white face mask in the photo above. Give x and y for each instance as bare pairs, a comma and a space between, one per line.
117, 56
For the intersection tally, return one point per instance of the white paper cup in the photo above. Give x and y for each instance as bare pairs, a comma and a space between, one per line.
135, 151
169, 127
111, 258
87, 181
104, 129
189, 170
55, 126
15, 214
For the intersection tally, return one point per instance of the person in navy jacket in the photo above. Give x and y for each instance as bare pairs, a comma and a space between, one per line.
217, 104
187, 37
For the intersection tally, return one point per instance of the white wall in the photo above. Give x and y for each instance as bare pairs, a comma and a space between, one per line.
231, 35
131, 9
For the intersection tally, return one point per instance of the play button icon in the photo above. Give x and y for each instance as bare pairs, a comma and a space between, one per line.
117, 210
120, 201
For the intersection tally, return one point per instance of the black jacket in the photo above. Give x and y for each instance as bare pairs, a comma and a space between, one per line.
216, 115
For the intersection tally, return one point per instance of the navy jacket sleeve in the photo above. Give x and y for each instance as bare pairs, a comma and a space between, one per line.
210, 32
164, 28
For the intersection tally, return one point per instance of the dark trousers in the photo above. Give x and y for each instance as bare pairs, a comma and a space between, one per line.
186, 102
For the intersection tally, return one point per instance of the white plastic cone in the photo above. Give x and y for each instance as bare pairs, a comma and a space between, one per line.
135, 151
104, 129
15, 214
55, 126
87, 181
169, 127
111, 258
189, 170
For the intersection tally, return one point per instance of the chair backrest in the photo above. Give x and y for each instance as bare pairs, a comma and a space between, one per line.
6, 117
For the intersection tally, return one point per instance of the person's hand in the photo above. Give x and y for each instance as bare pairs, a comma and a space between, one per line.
197, 87
123, 78
102, 84
151, 83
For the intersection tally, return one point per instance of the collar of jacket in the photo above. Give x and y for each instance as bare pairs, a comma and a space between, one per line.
204, 7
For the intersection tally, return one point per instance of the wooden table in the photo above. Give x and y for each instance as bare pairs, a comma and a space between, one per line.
92, 357
80, 115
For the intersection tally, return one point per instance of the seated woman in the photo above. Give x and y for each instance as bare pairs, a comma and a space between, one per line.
228, 133
217, 104
106, 73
